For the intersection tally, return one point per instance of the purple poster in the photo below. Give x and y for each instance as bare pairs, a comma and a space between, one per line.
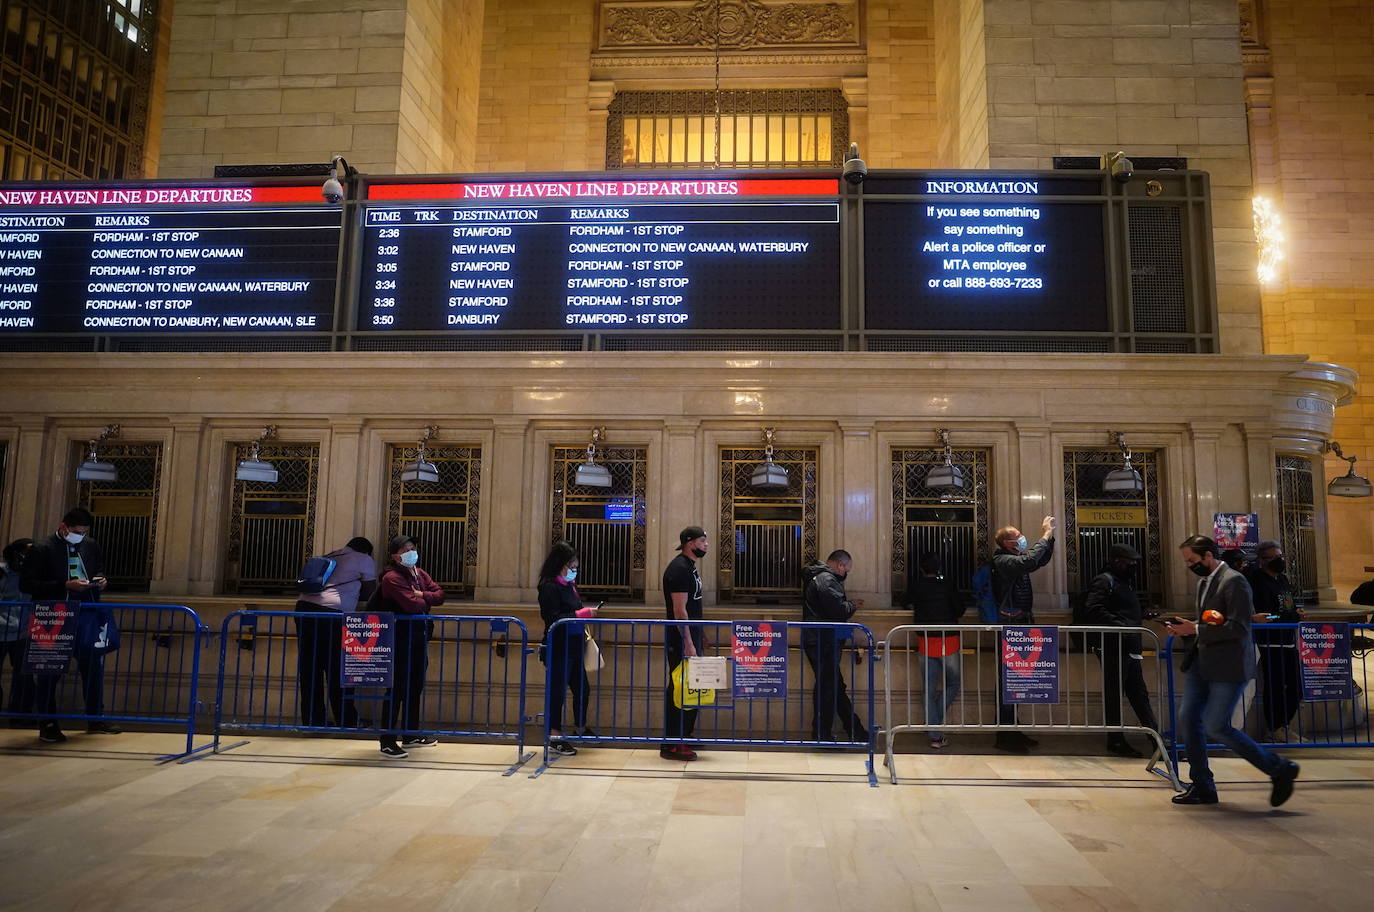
760, 654
368, 644
1030, 664
1324, 650
52, 634
1236, 530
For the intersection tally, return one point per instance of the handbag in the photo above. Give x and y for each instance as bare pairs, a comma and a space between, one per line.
591, 654
685, 697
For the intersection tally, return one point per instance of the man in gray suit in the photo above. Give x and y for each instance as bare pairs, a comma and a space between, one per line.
1219, 662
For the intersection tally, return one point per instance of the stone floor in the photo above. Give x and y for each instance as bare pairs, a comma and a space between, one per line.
319, 825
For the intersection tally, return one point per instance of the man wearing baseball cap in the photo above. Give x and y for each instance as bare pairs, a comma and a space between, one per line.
1112, 601
682, 598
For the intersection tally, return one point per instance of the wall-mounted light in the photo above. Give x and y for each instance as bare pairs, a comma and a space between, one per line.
589, 473
768, 476
1269, 237
93, 469
421, 469
948, 475
1126, 478
1349, 484
255, 469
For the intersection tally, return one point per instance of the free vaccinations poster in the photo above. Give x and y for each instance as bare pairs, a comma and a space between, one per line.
1030, 664
368, 646
759, 649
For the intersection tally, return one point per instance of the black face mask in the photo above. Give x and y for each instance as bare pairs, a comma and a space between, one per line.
1200, 569
698, 553
1125, 571
1276, 565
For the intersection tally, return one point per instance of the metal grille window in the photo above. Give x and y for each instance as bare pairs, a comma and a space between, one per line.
126, 512
605, 525
1094, 519
767, 537
443, 516
1298, 522
765, 128
1159, 296
952, 522
272, 526
75, 77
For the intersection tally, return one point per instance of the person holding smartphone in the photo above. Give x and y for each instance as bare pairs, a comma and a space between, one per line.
559, 599
70, 566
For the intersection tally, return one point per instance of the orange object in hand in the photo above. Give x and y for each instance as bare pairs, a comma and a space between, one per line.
1213, 617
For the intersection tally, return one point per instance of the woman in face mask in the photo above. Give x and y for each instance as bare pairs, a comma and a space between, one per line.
408, 591
558, 598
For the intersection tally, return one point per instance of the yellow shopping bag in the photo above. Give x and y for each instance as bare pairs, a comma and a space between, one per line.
689, 697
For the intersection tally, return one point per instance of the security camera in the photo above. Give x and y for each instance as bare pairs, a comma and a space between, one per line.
1119, 166
855, 170
333, 190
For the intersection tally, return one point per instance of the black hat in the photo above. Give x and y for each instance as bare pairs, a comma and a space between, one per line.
400, 541
691, 533
1123, 552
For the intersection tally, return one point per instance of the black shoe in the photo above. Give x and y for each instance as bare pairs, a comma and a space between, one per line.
1123, 749
1005, 742
1283, 783
103, 728
393, 751
408, 743
562, 748
51, 734
1196, 794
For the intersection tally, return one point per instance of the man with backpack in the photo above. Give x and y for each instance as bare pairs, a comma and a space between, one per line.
1112, 601
1012, 564
824, 600
328, 587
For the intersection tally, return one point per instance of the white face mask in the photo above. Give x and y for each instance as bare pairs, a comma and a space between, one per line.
74, 538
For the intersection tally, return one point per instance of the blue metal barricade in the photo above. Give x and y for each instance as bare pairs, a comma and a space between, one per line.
1273, 710
938, 678
102, 663
766, 702
445, 676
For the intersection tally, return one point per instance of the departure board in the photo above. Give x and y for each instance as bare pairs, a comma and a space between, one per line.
985, 253
599, 256
159, 259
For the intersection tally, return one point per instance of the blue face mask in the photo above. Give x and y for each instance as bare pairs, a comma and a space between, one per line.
410, 558
571, 574
1021, 543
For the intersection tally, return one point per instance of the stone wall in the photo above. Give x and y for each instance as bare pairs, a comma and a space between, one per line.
961, 85
438, 96
902, 124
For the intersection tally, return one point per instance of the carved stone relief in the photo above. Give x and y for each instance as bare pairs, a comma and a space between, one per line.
734, 24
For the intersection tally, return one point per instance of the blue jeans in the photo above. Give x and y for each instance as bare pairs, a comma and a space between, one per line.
1206, 718
942, 688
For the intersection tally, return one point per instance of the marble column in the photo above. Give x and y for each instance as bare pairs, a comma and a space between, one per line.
682, 497
343, 495
28, 515
856, 529
184, 507
504, 555
1039, 478
1205, 437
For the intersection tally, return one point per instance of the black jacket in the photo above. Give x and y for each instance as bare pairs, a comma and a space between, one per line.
823, 597
44, 575
1225, 652
1113, 602
935, 600
1011, 577
556, 601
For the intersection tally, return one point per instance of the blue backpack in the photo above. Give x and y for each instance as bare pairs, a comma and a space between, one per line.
314, 577
989, 611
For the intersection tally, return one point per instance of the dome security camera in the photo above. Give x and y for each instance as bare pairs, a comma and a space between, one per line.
855, 169
333, 189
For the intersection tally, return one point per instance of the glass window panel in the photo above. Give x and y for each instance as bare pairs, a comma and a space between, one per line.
792, 139
19, 165
709, 151
823, 140
727, 140
630, 143
808, 138
775, 129
677, 139
660, 140
758, 129
695, 142
133, 34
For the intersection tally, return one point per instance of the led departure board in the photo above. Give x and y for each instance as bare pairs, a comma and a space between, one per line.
597, 256
156, 258
983, 254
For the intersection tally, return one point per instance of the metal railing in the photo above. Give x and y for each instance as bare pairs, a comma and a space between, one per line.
626, 701
1274, 710
1089, 693
105, 663
285, 671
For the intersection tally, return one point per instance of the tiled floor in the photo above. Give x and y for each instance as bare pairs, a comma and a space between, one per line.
318, 825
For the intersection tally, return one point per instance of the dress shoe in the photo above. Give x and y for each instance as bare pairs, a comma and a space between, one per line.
1196, 794
1283, 783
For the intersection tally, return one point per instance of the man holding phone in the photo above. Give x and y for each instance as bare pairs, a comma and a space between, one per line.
70, 566
1219, 662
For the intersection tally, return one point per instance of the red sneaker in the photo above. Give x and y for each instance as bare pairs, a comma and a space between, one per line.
677, 752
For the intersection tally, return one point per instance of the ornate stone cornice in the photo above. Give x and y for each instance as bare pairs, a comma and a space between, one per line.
734, 24
606, 61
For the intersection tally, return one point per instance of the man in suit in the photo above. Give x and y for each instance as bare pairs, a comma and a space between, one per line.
1219, 662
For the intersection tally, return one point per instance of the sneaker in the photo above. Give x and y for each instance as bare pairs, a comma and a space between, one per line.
939, 743
588, 733
1283, 783
677, 752
103, 728
419, 742
393, 752
562, 748
51, 734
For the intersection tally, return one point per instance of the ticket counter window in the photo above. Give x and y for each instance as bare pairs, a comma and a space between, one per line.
1297, 523
1094, 519
125, 512
950, 521
605, 524
767, 536
443, 515
272, 526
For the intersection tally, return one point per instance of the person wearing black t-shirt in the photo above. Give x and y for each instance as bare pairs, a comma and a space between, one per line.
1280, 669
682, 598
